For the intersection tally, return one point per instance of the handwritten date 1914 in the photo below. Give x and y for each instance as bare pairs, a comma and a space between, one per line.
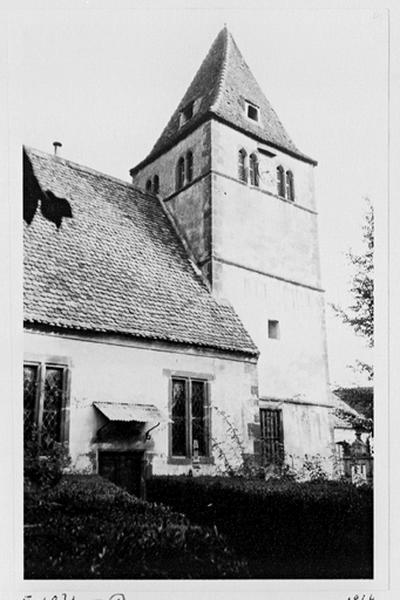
363, 597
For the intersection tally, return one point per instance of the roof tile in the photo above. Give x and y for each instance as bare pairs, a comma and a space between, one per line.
101, 255
221, 86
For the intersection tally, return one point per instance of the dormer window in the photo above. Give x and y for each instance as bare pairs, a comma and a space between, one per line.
186, 113
252, 111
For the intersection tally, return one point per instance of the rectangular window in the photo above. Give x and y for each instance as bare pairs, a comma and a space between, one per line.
45, 402
271, 436
273, 330
190, 418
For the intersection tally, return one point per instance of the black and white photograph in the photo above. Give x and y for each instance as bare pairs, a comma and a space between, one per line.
199, 259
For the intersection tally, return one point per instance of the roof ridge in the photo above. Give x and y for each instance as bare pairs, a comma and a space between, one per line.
85, 169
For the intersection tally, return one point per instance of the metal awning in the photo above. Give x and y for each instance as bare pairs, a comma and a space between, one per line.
128, 412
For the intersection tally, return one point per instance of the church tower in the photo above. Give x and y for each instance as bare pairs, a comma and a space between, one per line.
242, 197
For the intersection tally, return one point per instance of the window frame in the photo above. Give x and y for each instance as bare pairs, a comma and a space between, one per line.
42, 364
250, 106
188, 457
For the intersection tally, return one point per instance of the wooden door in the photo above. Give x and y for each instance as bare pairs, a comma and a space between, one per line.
125, 469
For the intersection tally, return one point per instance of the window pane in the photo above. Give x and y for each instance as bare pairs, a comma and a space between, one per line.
199, 421
178, 415
30, 386
52, 404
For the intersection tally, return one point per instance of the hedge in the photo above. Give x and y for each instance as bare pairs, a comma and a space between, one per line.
86, 527
310, 529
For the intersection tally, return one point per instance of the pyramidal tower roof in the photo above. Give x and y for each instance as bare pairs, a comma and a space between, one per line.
220, 89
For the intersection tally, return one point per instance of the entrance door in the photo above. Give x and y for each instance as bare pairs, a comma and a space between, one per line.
124, 469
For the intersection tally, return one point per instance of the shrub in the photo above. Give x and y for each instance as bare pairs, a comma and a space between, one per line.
44, 461
309, 529
86, 527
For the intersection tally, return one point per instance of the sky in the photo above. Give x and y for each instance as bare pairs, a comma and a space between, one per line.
105, 83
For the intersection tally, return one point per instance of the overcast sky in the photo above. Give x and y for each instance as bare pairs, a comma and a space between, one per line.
105, 84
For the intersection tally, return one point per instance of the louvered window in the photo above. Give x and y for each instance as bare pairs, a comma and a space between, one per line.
280, 175
156, 184
189, 166
180, 173
45, 402
271, 436
242, 170
254, 178
190, 418
289, 186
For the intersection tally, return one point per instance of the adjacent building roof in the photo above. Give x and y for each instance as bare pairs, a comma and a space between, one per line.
102, 256
344, 415
360, 398
220, 88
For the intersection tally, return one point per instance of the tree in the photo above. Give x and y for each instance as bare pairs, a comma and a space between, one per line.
360, 314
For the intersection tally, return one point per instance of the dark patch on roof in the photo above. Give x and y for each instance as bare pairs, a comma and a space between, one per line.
116, 264
52, 207
220, 88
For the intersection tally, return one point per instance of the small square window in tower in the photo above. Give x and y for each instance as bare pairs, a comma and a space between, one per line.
273, 330
252, 111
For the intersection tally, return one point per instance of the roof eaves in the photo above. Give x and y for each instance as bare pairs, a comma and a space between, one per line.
212, 115
34, 321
